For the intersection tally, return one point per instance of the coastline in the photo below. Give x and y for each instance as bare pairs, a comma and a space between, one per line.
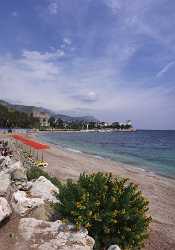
160, 190
98, 156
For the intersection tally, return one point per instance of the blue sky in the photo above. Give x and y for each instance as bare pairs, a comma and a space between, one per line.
114, 59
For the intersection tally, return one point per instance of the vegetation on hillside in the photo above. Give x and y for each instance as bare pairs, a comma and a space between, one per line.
10, 118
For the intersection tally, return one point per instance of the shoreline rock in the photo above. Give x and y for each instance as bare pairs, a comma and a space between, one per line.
4, 183
22, 204
5, 210
54, 235
44, 189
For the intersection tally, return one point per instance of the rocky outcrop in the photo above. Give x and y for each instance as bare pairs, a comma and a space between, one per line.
45, 235
13, 166
5, 210
23, 205
19, 175
44, 189
19, 179
35, 199
2, 159
5, 162
4, 183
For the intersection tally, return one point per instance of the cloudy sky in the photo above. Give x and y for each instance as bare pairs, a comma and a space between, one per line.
114, 59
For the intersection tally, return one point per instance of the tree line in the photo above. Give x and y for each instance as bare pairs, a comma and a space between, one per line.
10, 118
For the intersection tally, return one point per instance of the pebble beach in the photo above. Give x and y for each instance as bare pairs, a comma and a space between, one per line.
160, 191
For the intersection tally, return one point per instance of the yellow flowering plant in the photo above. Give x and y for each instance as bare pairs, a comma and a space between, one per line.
112, 209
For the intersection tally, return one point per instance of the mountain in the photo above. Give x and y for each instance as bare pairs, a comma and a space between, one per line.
31, 109
67, 118
24, 108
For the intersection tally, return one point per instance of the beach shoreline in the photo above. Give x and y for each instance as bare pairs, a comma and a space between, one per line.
160, 191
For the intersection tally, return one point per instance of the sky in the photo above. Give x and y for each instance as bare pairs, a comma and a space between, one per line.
114, 59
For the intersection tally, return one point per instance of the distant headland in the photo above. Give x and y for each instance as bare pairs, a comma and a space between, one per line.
32, 117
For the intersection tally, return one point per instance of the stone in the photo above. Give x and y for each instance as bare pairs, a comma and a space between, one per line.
23, 205
21, 185
114, 247
5, 210
13, 166
19, 179
19, 174
4, 183
53, 235
43, 188
43, 212
2, 159
6, 162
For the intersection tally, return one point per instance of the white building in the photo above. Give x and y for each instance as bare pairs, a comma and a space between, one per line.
43, 118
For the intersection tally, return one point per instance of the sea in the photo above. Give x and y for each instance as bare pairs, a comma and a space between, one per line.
150, 150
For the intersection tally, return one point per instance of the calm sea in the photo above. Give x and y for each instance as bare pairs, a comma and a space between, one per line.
150, 150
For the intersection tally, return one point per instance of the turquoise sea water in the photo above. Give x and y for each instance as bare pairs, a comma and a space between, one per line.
150, 150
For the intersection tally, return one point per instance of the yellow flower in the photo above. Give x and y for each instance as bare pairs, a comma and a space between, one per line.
88, 225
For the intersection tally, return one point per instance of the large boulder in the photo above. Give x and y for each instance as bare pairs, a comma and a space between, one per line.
19, 174
4, 183
44, 189
13, 166
5, 162
44, 235
5, 210
2, 159
23, 205
19, 179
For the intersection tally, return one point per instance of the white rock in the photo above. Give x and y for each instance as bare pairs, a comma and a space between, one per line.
114, 247
4, 183
19, 174
56, 235
14, 166
2, 158
6, 162
44, 189
5, 210
22, 204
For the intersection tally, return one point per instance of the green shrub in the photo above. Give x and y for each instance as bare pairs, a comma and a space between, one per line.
34, 173
113, 210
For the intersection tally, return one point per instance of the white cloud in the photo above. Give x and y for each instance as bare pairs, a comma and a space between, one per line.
67, 41
85, 88
14, 14
165, 69
53, 7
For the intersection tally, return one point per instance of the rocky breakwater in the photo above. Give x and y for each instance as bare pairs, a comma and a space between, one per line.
30, 202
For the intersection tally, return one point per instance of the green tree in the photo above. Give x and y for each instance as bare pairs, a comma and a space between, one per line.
52, 122
59, 123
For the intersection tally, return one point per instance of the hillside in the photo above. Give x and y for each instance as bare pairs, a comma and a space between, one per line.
11, 118
31, 109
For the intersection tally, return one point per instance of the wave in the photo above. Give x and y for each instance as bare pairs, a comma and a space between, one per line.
73, 150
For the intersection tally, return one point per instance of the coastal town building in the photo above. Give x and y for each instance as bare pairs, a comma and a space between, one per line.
43, 118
